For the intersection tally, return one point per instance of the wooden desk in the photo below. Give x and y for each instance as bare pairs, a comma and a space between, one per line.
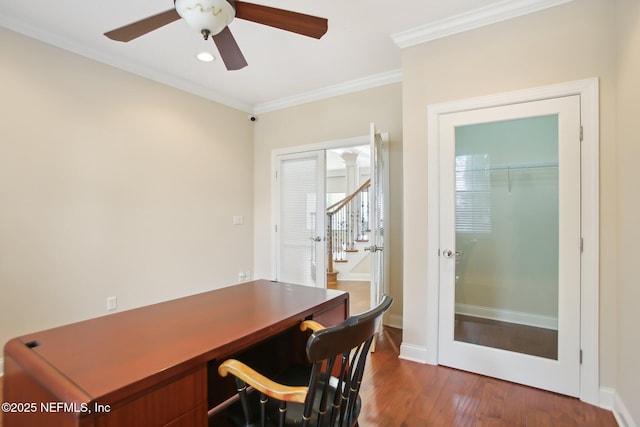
151, 366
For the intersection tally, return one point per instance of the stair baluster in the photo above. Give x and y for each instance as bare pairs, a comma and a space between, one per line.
347, 223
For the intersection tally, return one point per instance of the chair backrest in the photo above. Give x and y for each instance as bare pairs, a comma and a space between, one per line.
341, 350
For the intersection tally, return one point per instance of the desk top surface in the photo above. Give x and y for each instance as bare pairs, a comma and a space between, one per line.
105, 354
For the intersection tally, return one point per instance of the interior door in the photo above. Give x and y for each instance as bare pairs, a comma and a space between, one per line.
377, 215
300, 227
510, 243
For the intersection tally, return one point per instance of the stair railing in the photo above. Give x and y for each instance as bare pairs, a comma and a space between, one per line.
347, 223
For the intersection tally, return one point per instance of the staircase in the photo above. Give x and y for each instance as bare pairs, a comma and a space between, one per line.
347, 230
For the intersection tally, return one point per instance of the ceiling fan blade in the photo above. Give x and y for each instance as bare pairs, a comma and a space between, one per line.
142, 27
229, 50
299, 23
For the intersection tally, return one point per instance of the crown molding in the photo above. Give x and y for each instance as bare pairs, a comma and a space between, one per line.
186, 86
153, 74
351, 86
497, 12
500, 11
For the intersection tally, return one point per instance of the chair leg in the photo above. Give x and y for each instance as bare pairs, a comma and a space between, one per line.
283, 412
263, 409
242, 392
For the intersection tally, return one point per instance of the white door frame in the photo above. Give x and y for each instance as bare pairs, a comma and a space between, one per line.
589, 269
326, 145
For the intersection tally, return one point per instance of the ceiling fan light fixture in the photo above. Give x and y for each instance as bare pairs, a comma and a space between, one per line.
212, 17
205, 57
206, 16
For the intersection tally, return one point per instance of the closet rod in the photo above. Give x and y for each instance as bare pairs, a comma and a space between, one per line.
517, 166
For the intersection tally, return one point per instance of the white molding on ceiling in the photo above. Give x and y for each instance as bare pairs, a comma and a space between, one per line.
500, 11
120, 63
351, 86
189, 87
491, 14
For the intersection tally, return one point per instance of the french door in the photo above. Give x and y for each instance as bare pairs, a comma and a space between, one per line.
377, 212
510, 241
300, 212
300, 229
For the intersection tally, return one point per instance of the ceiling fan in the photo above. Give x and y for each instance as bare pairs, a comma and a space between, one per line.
212, 17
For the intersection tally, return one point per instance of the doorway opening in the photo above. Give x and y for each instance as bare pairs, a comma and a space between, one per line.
330, 233
348, 172
357, 224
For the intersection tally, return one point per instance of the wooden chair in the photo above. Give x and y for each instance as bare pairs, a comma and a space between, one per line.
311, 396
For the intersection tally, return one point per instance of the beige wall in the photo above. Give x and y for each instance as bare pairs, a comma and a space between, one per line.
111, 184
565, 43
337, 118
628, 214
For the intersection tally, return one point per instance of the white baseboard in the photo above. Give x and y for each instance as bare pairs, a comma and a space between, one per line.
394, 321
606, 398
519, 317
413, 353
354, 277
621, 413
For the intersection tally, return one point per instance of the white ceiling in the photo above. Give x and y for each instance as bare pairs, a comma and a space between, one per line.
357, 50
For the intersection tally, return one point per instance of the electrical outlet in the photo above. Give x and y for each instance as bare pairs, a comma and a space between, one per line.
112, 303
242, 276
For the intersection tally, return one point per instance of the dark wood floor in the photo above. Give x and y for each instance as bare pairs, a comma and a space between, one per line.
507, 336
399, 393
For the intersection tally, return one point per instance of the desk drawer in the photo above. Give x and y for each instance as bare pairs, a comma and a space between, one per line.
333, 315
173, 403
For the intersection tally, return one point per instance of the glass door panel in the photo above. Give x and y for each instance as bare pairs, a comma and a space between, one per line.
506, 235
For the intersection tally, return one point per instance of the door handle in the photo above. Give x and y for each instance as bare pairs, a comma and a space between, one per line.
448, 253
316, 239
373, 248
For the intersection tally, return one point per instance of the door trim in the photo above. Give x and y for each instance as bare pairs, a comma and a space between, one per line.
297, 149
589, 269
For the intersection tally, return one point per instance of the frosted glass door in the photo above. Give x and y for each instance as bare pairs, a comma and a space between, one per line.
510, 242
300, 229
506, 258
